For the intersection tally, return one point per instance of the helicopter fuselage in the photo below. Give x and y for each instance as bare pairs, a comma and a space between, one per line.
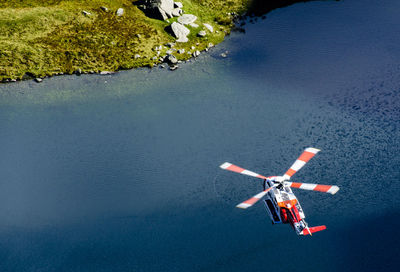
283, 207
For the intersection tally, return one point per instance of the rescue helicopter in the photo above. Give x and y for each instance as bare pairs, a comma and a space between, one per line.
280, 202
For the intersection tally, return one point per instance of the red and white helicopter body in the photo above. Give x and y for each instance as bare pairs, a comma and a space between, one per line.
280, 201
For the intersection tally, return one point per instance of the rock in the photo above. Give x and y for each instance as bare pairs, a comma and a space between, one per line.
223, 55
106, 73
180, 32
196, 53
181, 51
193, 48
162, 65
172, 59
169, 51
158, 9
161, 59
186, 19
176, 12
170, 45
194, 25
209, 27
154, 58
38, 79
78, 71
86, 13
138, 36
120, 12
178, 5
13, 80
105, 9
173, 67
210, 45
202, 33
137, 56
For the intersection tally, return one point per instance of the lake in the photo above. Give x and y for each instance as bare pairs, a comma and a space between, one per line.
120, 172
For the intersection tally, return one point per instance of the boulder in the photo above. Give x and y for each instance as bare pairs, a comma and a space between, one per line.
202, 33
178, 5
209, 27
176, 12
186, 19
158, 9
180, 32
172, 59
120, 12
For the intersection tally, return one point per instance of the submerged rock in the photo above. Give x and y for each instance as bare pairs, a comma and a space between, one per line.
38, 79
106, 73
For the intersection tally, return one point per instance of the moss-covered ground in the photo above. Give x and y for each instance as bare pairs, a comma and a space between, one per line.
45, 37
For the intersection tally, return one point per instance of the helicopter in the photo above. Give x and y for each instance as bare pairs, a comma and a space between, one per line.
279, 200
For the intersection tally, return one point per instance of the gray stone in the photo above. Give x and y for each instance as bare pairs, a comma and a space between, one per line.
210, 45
186, 19
86, 13
138, 36
38, 79
170, 45
169, 51
176, 12
180, 32
158, 9
209, 27
137, 56
173, 67
162, 65
181, 51
172, 59
196, 53
106, 73
194, 25
202, 33
120, 12
105, 9
178, 5
193, 48
78, 71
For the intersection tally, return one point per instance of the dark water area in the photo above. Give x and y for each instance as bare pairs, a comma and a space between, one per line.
120, 172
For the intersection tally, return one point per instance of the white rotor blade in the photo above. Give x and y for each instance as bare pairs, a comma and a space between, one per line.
300, 162
237, 169
331, 189
251, 201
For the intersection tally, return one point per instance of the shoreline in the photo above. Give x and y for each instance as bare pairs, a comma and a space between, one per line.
132, 40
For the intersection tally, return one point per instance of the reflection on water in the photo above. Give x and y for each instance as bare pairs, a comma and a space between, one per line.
120, 172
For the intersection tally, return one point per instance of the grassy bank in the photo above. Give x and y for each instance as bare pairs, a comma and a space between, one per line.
45, 37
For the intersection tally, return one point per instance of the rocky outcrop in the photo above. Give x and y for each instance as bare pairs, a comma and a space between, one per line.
157, 9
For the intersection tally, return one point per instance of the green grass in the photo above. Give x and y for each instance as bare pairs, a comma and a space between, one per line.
45, 37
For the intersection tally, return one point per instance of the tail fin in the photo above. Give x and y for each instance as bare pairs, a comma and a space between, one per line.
312, 230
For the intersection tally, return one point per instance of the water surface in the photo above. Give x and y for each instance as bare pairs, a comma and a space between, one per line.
120, 172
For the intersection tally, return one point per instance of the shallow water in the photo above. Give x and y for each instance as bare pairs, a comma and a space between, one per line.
120, 172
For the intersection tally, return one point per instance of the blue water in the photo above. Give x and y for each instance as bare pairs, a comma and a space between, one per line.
120, 172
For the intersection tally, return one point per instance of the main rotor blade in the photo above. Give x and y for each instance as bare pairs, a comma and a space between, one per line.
237, 169
301, 161
251, 201
331, 189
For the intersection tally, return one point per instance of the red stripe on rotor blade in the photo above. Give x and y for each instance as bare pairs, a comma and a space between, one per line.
322, 188
251, 201
306, 156
235, 168
295, 185
290, 172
